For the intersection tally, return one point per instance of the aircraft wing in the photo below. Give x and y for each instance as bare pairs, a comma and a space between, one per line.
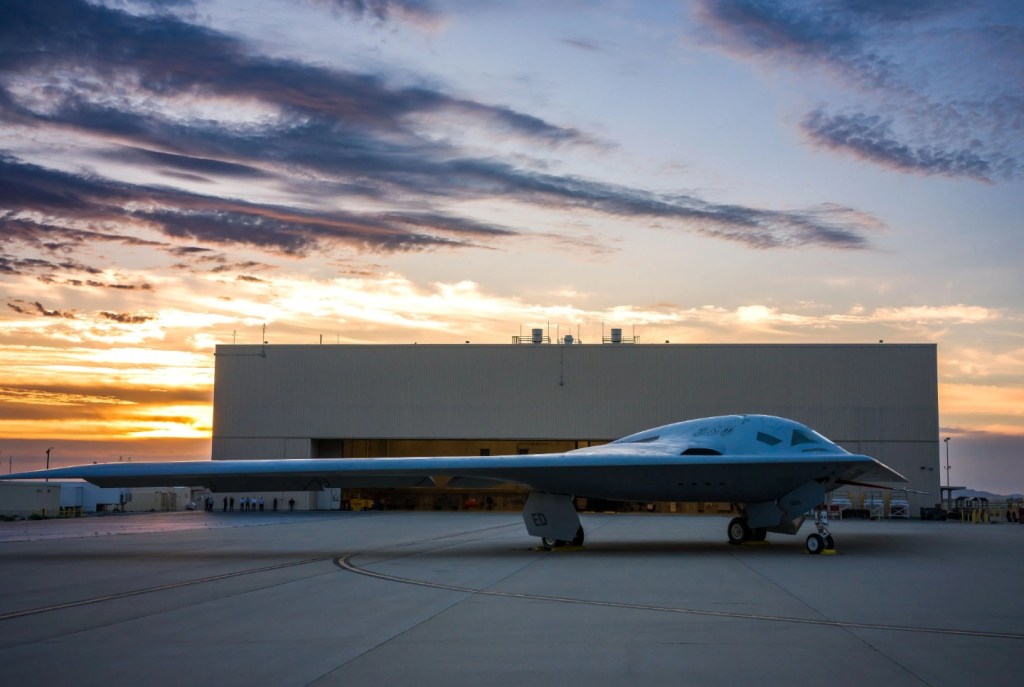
617, 473
776, 469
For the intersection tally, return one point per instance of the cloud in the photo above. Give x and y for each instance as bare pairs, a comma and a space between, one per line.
163, 56
140, 89
19, 229
144, 286
820, 33
416, 12
55, 396
184, 215
36, 308
872, 138
584, 44
925, 87
197, 167
126, 318
194, 217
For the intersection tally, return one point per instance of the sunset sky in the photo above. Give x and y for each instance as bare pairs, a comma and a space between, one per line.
178, 174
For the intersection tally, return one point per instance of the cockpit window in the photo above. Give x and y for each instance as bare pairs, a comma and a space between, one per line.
768, 439
645, 440
802, 437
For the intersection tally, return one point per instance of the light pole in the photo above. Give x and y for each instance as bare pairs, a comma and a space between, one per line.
48, 460
949, 493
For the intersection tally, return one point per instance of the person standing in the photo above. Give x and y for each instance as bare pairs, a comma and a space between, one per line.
261, 504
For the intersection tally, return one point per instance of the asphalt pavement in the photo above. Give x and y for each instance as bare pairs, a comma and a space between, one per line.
429, 598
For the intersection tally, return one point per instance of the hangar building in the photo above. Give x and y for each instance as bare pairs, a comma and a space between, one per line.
319, 401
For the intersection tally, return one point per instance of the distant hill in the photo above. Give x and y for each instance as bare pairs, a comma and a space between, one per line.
971, 493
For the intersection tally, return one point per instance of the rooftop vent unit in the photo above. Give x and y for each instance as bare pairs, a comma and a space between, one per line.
536, 337
616, 338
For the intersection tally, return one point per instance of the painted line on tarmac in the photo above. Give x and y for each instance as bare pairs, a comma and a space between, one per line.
159, 588
344, 562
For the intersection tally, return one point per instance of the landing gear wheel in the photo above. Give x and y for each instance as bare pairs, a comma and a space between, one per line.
758, 534
738, 531
549, 543
830, 543
815, 543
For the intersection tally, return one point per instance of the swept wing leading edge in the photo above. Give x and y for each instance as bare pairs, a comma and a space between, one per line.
715, 459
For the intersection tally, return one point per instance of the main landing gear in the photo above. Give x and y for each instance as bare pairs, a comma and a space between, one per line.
740, 532
549, 543
822, 539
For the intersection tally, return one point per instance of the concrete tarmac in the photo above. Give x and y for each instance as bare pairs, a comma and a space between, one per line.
424, 598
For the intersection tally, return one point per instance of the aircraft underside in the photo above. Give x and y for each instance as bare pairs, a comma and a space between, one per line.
553, 518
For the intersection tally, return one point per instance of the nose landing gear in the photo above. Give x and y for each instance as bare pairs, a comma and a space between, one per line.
821, 541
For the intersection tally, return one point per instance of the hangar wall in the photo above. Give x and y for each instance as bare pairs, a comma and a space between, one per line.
290, 401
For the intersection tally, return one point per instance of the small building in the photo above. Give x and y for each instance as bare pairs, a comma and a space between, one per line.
157, 499
24, 499
71, 499
82, 497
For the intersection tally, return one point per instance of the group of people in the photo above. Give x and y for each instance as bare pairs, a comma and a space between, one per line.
251, 503
246, 503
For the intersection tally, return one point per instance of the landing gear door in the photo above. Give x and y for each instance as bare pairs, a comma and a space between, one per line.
551, 515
